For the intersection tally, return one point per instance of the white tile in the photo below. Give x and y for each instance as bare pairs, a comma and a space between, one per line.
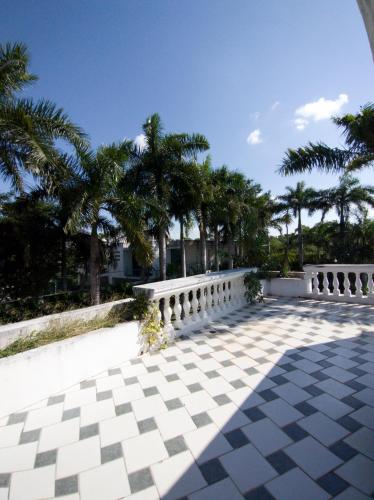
43, 416
77, 457
300, 378
151, 379
171, 390
58, 435
172, 367
339, 374
258, 382
208, 365
110, 382
240, 462
335, 388
202, 349
291, 393
228, 417
307, 366
133, 370
365, 416
117, 429
323, 428
243, 362
266, 436
351, 494
10, 434
174, 423
222, 355
143, 451
294, 485
280, 412
96, 412
366, 396
207, 443
312, 457
178, 476
330, 406
109, 481
245, 397
153, 360
147, 494
188, 357
231, 373
18, 457
127, 394
216, 386
80, 398
148, 407
362, 441
359, 472
37, 483
192, 376
223, 490
367, 380
198, 402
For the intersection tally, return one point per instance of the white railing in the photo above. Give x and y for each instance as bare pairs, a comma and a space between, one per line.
187, 303
341, 282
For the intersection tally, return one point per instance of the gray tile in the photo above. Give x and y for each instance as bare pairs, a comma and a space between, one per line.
362, 441
123, 408
222, 399
213, 471
359, 472
201, 419
295, 484
281, 462
237, 384
172, 377
140, 480
45, 458
212, 374
88, 431
322, 428
333, 484
17, 418
152, 369
4, 480
173, 404
189, 366
53, 400
86, 384
100, 396
111, 452
66, 486
150, 391
30, 436
147, 425
343, 450
131, 380
175, 445
72, 413
194, 387
114, 371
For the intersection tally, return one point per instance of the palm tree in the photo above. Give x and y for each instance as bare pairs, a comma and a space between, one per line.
29, 130
297, 199
156, 168
359, 153
102, 194
349, 193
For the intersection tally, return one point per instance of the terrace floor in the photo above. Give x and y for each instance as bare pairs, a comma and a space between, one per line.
274, 401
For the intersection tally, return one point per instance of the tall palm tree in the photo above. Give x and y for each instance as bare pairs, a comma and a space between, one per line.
342, 198
359, 153
29, 130
297, 199
155, 169
101, 194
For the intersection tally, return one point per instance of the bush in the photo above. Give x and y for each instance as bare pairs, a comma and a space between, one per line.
253, 288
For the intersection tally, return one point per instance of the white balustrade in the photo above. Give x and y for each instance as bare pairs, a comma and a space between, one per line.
197, 299
351, 283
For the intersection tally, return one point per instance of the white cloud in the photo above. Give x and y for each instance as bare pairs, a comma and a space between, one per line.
254, 137
321, 109
140, 141
275, 105
255, 116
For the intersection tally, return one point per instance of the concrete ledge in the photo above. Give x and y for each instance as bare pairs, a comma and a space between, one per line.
31, 376
286, 287
12, 331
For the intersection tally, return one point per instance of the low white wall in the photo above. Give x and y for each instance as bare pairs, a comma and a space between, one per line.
286, 287
33, 375
10, 332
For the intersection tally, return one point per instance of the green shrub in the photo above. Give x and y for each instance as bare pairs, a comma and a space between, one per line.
253, 288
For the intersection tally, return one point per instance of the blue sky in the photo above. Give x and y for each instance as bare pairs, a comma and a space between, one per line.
223, 68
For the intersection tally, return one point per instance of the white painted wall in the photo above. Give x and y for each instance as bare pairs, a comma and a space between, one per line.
10, 332
286, 287
33, 375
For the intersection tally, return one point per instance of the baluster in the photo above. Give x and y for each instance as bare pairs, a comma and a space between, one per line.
178, 313
187, 320
358, 285
215, 297
157, 303
221, 304
167, 314
230, 298
336, 291
195, 305
209, 298
316, 283
347, 284
203, 302
370, 285
224, 296
326, 290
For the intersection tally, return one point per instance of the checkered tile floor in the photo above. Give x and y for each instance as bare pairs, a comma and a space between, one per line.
274, 401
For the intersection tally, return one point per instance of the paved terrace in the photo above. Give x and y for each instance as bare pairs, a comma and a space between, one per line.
276, 400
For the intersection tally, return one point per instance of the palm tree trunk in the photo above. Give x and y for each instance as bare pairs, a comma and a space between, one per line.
231, 257
300, 241
94, 267
216, 247
183, 248
64, 283
162, 252
203, 258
